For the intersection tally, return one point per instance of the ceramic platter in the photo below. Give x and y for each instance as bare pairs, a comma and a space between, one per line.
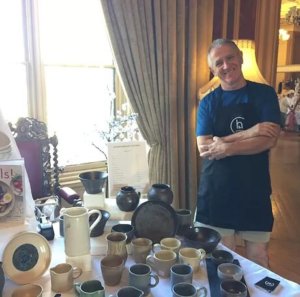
26, 257
154, 220
7, 199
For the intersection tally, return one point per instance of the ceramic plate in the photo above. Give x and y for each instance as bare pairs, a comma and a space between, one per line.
154, 220
26, 257
7, 199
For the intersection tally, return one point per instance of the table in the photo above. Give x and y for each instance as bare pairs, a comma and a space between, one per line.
252, 272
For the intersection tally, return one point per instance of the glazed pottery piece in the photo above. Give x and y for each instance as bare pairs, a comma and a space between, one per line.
160, 192
93, 181
128, 198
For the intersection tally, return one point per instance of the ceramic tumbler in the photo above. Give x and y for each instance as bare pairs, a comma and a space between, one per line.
116, 244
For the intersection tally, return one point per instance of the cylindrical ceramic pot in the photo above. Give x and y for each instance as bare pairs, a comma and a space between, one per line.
160, 192
128, 198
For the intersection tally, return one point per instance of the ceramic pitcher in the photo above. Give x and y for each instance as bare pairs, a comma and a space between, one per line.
77, 230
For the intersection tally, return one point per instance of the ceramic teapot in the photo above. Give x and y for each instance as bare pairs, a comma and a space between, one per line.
160, 192
128, 198
77, 230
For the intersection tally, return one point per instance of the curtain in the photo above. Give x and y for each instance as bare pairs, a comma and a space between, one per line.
156, 44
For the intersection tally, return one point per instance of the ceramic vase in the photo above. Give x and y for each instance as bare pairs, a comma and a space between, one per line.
128, 198
160, 192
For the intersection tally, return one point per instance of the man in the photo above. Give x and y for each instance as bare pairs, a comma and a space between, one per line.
237, 124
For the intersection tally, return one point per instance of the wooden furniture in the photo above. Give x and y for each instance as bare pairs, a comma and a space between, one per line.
40, 155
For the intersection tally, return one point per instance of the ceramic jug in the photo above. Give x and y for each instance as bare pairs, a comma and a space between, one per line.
2, 279
77, 230
160, 192
128, 198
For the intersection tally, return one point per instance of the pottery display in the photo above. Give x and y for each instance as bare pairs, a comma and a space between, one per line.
160, 192
128, 198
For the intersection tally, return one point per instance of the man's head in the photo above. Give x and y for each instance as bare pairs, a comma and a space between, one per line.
225, 61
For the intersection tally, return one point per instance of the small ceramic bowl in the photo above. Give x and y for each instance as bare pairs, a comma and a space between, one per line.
233, 288
28, 290
230, 271
124, 228
221, 256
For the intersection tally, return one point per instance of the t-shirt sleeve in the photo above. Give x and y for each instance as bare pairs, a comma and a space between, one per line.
204, 122
270, 110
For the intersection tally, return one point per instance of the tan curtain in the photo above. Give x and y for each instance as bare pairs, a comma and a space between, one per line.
156, 44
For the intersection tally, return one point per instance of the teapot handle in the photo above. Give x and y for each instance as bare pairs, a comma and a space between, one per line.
97, 220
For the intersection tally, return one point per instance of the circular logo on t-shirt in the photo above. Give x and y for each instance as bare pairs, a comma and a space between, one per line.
237, 124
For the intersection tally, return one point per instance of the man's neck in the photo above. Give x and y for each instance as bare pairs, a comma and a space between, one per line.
235, 86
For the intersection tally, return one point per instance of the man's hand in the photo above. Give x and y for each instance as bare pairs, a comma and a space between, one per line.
217, 150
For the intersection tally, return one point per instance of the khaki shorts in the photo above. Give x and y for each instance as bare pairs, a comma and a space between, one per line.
253, 236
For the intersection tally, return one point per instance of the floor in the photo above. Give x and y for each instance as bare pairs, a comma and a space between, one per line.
284, 248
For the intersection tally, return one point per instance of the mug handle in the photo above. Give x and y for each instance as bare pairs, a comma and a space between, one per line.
150, 262
156, 280
156, 246
202, 253
201, 292
92, 211
77, 271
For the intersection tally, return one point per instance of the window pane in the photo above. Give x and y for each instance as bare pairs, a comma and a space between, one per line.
13, 89
78, 103
73, 32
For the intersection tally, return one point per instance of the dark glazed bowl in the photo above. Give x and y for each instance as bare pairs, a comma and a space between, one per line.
124, 228
221, 256
99, 229
93, 181
202, 238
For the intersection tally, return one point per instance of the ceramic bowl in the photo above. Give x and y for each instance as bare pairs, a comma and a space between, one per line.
28, 290
99, 228
93, 181
124, 228
202, 237
26, 257
233, 288
230, 271
221, 256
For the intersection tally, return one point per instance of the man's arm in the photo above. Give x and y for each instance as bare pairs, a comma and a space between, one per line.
254, 140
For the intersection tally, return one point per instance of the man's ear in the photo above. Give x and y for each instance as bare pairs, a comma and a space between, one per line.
212, 71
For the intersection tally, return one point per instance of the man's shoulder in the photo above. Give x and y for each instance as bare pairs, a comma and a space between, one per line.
259, 86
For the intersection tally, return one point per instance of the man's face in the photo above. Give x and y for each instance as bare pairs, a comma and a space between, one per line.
226, 63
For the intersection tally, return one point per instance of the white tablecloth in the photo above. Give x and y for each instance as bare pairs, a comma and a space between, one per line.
252, 272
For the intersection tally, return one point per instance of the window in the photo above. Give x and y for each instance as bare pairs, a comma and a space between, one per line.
57, 66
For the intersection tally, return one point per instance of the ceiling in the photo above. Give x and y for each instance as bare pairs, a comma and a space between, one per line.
286, 5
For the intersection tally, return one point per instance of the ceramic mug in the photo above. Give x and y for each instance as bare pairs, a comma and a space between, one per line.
77, 230
62, 277
162, 261
192, 257
140, 277
169, 243
91, 288
141, 248
184, 219
181, 273
188, 290
112, 267
32, 290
